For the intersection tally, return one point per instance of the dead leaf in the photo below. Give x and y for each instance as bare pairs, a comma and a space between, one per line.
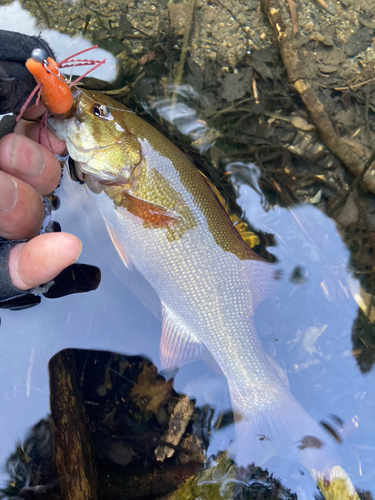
316, 199
301, 123
150, 56
363, 299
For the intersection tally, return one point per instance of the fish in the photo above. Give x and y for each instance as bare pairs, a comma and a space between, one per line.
165, 219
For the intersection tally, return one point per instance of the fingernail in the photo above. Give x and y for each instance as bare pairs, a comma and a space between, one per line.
26, 157
8, 193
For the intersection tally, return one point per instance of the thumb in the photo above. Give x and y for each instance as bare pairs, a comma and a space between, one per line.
42, 259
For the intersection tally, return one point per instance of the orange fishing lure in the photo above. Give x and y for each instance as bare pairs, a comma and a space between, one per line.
52, 87
55, 92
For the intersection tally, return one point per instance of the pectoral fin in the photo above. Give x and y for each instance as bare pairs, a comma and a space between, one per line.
178, 345
153, 215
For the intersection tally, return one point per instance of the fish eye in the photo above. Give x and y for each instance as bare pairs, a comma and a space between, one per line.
100, 110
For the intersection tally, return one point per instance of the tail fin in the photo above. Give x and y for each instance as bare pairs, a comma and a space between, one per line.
285, 429
281, 428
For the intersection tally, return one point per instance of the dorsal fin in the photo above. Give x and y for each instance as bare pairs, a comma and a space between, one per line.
250, 238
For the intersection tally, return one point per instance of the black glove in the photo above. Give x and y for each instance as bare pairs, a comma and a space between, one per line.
16, 84
74, 279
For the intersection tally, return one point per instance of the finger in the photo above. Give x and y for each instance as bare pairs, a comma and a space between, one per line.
42, 259
36, 131
21, 209
34, 111
30, 162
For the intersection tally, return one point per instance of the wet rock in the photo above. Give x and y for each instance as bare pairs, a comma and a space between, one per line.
327, 68
348, 214
180, 418
326, 38
301, 123
177, 15
252, 4
234, 87
345, 117
369, 23
331, 57
192, 450
358, 41
115, 450
262, 69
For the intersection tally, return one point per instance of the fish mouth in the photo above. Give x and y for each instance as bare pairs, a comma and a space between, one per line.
84, 172
91, 149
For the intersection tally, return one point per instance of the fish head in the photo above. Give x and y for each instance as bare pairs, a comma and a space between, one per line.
97, 138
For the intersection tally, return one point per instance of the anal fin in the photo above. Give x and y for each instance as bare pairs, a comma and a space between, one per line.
178, 345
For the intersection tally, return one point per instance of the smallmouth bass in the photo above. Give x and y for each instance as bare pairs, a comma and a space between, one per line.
164, 218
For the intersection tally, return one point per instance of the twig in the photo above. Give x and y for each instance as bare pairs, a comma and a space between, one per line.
255, 90
350, 87
321, 120
326, 6
118, 92
367, 122
293, 15
323, 4
185, 42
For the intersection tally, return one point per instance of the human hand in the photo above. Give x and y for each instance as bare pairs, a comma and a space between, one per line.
27, 171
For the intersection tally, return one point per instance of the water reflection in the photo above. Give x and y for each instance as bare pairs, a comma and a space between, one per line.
185, 118
313, 338
117, 426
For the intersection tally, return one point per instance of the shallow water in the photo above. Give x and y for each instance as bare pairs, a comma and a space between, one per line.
305, 326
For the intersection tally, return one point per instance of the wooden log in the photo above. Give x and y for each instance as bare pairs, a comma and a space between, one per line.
75, 462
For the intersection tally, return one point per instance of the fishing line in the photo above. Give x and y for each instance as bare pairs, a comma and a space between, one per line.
112, 107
